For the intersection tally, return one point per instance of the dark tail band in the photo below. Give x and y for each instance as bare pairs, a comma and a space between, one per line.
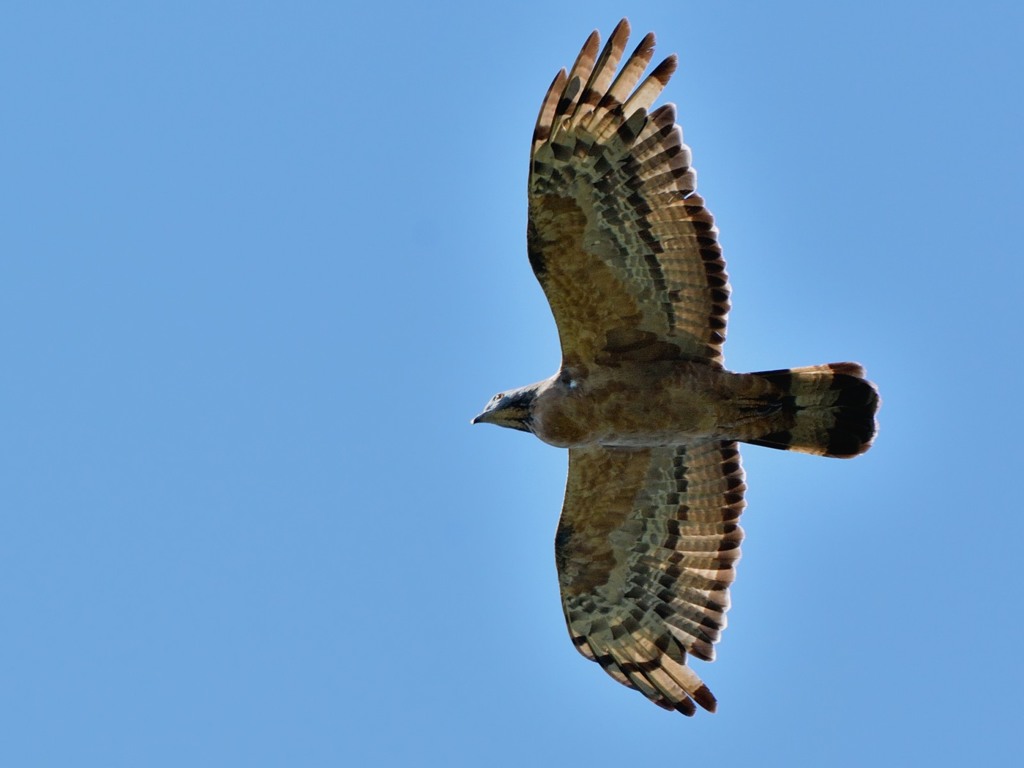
827, 410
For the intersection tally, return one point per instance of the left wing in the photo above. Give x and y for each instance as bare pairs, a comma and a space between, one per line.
623, 247
646, 550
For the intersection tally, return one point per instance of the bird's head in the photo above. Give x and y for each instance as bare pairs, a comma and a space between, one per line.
512, 409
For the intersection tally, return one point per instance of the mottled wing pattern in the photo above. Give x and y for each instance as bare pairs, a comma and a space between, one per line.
646, 550
625, 250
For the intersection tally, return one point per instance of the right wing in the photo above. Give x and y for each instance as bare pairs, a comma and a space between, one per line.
646, 550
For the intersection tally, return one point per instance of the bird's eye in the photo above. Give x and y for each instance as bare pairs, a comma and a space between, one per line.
498, 397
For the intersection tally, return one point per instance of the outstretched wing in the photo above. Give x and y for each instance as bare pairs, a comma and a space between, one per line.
625, 250
646, 549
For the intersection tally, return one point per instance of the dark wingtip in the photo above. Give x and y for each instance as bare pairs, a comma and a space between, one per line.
664, 71
685, 706
705, 698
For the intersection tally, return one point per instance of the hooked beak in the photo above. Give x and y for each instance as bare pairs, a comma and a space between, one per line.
480, 418
509, 409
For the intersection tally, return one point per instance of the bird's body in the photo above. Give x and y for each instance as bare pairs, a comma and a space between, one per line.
647, 405
628, 257
642, 405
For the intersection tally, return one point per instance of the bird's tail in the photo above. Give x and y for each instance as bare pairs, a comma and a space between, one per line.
827, 410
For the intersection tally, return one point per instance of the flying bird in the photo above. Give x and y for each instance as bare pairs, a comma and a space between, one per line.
628, 257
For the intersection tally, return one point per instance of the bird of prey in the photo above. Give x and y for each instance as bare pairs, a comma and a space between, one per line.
628, 257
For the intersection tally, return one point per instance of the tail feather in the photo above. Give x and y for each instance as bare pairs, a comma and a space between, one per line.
827, 410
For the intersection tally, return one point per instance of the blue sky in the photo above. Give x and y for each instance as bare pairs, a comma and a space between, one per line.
261, 262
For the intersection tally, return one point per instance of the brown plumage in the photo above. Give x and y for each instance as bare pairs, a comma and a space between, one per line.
629, 260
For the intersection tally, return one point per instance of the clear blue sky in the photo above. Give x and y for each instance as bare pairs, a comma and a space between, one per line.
261, 262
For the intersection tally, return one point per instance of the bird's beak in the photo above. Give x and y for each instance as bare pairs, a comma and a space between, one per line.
512, 412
